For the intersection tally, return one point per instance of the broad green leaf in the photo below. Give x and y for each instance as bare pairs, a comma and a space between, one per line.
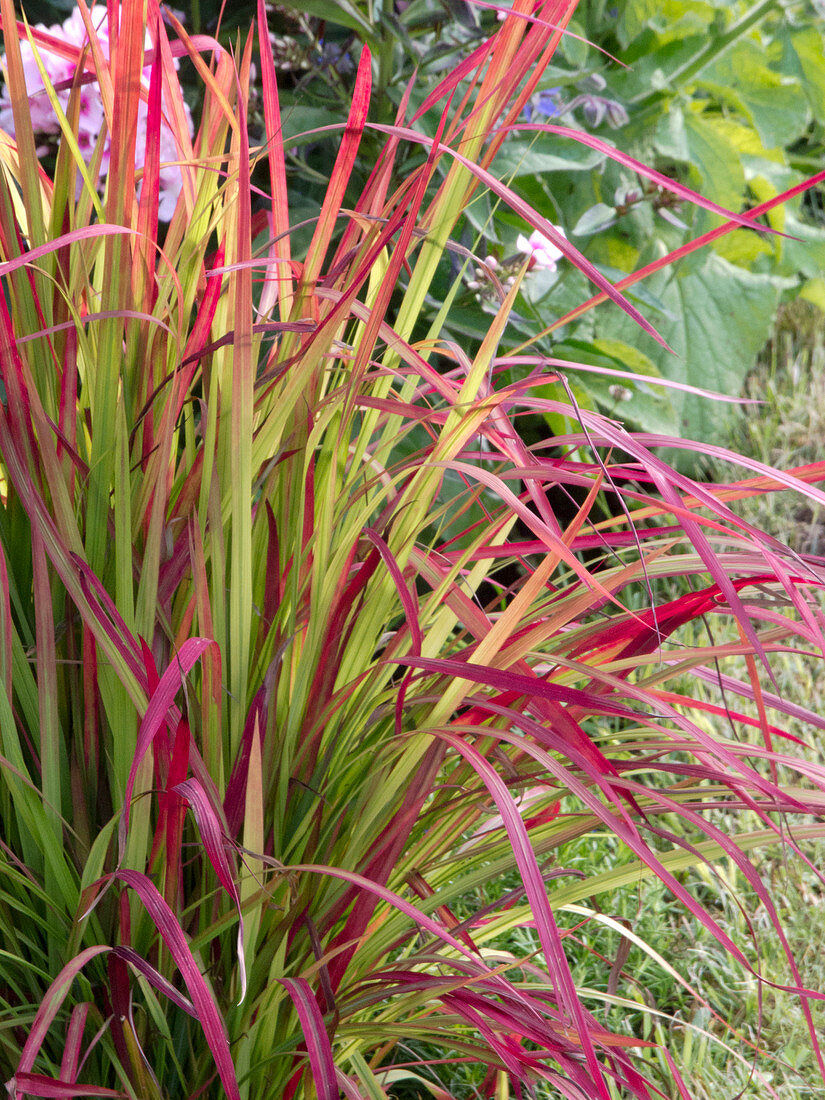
299, 121
765, 181
623, 399
670, 138
575, 50
715, 161
743, 248
621, 254
743, 139
671, 19
773, 103
720, 317
803, 251
597, 217
343, 13
814, 291
520, 157
633, 19
649, 64
676, 19
579, 387
802, 57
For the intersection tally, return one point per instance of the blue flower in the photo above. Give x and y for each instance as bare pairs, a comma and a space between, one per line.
548, 104
333, 56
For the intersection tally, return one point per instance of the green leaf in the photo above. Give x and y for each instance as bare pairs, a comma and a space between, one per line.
814, 291
802, 57
670, 137
585, 399
299, 121
803, 251
671, 19
575, 50
597, 217
742, 77
720, 318
627, 400
521, 157
649, 63
633, 19
740, 137
715, 161
343, 13
676, 19
565, 294
743, 248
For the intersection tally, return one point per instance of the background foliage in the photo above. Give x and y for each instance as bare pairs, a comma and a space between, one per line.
726, 97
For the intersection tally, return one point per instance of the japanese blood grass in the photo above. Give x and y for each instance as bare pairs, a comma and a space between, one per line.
226, 589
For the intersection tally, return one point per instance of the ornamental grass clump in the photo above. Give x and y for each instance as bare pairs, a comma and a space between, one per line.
295, 648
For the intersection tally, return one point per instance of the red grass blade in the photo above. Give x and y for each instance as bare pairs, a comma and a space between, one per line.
546, 926
525, 211
50, 1006
109, 619
145, 290
319, 1048
342, 168
281, 249
617, 372
88, 232
517, 683
205, 1007
74, 1038
126, 60
450, 82
158, 981
35, 1084
410, 606
6, 626
216, 845
678, 253
156, 715
649, 173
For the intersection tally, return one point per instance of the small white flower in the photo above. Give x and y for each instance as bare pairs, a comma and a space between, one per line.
541, 250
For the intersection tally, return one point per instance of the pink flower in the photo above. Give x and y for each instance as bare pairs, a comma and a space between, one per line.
542, 252
91, 120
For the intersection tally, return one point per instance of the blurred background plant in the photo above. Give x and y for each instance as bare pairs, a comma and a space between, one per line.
724, 96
